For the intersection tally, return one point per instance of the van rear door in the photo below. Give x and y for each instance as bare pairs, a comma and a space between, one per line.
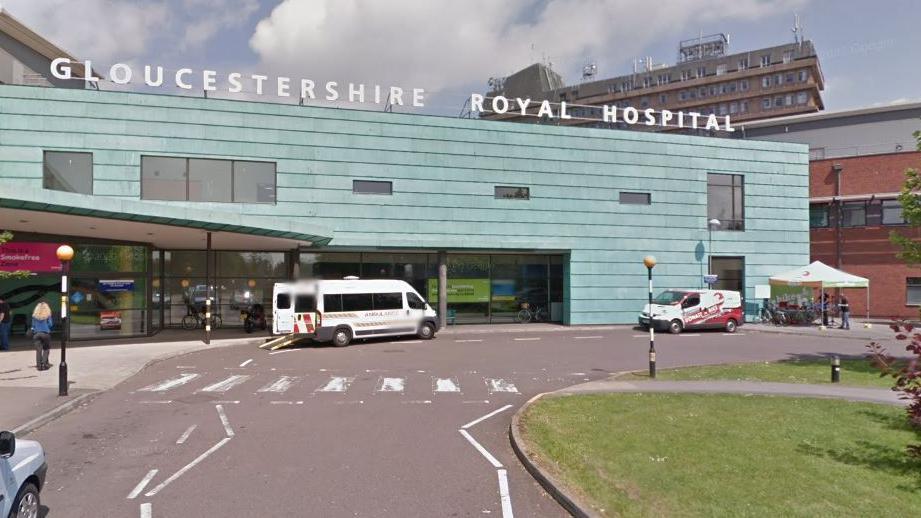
282, 310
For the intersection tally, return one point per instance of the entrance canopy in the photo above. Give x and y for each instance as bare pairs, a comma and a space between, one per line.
162, 224
819, 275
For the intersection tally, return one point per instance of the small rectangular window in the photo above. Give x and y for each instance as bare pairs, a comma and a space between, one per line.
371, 187
788, 57
766, 103
283, 301
765, 60
818, 216
743, 63
765, 81
68, 171
802, 98
304, 303
803, 76
388, 301
913, 291
720, 69
512, 193
357, 302
892, 213
332, 303
726, 200
636, 198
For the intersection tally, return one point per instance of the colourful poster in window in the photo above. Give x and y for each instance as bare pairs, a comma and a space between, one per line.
110, 320
461, 291
30, 257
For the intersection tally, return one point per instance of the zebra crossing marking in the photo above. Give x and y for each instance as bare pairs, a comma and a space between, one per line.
390, 385
445, 385
280, 385
226, 384
163, 386
501, 385
336, 384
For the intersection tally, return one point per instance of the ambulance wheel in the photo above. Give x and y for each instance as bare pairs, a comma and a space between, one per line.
674, 327
731, 326
342, 337
426, 331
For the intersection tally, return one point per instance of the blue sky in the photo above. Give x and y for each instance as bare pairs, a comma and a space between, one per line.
869, 51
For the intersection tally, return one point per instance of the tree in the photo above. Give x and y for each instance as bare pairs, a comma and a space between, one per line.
6, 236
907, 374
911, 210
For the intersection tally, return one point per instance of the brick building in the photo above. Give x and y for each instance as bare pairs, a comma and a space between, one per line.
857, 168
753, 85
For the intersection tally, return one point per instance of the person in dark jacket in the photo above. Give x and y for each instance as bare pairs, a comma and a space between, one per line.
845, 309
41, 334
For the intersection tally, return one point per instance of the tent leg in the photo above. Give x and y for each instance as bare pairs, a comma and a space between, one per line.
868, 302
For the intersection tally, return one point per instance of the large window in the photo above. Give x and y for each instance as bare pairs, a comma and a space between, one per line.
205, 179
68, 171
726, 200
854, 214
892, 213
818, 216
913, 291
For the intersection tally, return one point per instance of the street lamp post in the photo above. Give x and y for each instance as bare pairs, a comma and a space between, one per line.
65, 253
713, 224
650, 263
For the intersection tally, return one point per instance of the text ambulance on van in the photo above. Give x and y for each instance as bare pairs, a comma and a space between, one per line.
341, 310
676, 310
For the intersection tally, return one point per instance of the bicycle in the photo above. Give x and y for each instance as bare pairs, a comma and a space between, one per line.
197, 321
538, 314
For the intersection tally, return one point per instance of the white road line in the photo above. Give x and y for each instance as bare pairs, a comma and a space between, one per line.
224, 420
492, 460
390, 385
504, 495
733, 334
640, 336
445, 385
526, 339
485, 417
689, 335
286, 402
247, 362
336, 384
185, 435
465, 341
586, 337
142, 484
226, 384
500, 385
282, 351
409, 342
187, 467
158, 402
172, 383
227, 402
280, 385
147, 510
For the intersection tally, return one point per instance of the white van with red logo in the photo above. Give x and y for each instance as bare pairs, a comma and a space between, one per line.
677, 310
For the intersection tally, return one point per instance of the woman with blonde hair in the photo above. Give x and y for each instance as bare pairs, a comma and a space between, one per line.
41, 334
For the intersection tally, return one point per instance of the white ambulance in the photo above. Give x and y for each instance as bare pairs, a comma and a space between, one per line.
677, 310
342, 310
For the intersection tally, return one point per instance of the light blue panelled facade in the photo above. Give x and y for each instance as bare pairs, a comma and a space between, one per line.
443, 173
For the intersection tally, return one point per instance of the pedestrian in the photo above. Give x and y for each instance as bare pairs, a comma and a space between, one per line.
845, 309
41, 334
825, 309
5, 319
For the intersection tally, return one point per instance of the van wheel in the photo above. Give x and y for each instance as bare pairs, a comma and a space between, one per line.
426, 331
342, 337
674, 327
731, 326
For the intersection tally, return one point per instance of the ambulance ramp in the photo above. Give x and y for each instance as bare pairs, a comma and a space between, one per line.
284, 341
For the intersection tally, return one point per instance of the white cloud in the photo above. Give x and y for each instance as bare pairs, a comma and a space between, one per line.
101, 30
212, 16
445, 44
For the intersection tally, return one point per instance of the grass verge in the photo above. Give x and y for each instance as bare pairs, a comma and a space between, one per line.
854, 372
727, 455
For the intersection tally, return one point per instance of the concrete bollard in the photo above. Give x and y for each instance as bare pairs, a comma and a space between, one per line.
835, 369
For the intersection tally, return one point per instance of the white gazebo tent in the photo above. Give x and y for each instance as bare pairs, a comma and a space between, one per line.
820, 275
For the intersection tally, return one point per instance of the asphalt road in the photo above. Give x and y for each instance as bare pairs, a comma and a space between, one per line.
383, 428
